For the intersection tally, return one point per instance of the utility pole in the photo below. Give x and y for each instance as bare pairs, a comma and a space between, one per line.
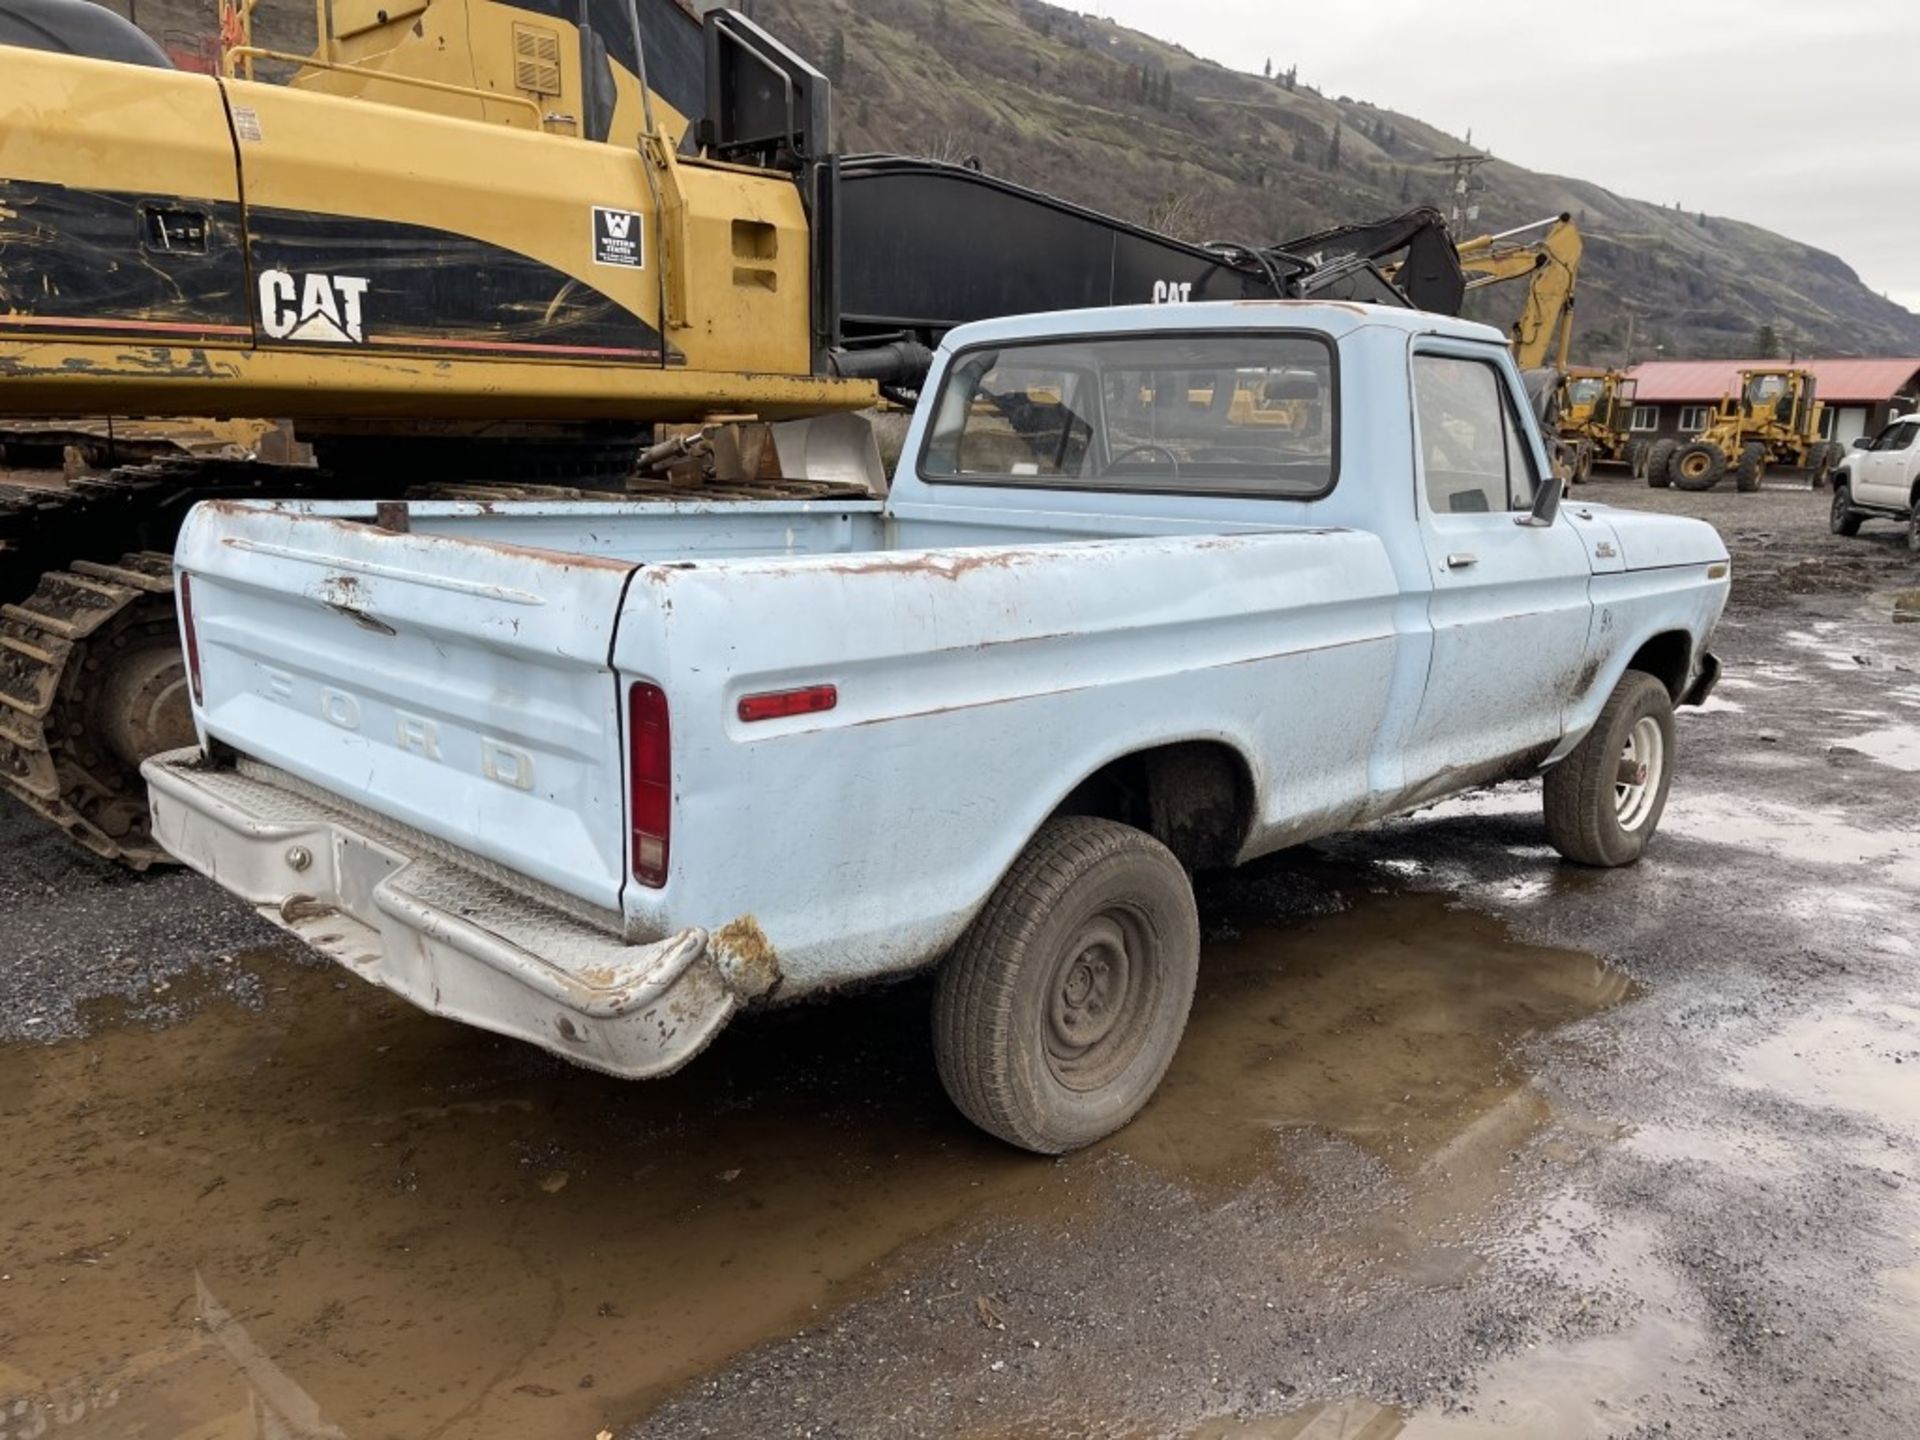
1466, 189
1626, 354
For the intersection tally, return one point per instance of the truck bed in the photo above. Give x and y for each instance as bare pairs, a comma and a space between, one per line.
470, 686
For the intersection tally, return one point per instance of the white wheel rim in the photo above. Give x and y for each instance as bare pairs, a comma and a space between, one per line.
1636, 785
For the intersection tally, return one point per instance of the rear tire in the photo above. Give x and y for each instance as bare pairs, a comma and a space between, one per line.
1634, 456
1060, 1009
1753, 465
1822, 456
1698, 465
1659, 455
1604, 801
1913, 524
1842, 518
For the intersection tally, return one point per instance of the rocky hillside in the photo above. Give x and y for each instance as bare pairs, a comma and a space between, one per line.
1116, 119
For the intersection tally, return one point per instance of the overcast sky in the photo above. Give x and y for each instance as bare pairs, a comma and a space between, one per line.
1796, 115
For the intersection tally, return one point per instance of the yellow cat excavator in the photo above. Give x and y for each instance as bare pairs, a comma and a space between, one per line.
496, 242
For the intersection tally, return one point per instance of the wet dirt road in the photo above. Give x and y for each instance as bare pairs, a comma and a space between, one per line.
1462, 1142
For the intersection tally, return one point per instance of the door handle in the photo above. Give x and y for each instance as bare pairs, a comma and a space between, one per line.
1460, 560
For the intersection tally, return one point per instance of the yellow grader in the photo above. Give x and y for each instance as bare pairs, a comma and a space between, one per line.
1771, 417
1595, 424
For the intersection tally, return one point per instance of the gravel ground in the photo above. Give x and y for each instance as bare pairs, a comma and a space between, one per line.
1463, 1142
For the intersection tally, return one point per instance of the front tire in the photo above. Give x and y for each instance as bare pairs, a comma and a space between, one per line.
1753, 465
1604, 801
1842, 518
1060, 1009
1698, 465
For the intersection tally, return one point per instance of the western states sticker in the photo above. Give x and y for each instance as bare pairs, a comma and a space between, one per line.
616, 237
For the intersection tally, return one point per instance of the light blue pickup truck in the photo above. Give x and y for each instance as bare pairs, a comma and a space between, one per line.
1154, 589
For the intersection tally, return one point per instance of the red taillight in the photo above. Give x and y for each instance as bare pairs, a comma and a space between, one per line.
774, 704
650, 795
193, 640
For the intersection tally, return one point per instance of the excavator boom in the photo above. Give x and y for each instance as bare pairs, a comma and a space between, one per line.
1547, 255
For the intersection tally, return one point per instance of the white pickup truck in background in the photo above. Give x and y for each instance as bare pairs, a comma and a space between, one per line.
1879, 479
1154, 589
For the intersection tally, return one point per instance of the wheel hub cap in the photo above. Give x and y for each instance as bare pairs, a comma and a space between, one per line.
1636, 785
1100, 999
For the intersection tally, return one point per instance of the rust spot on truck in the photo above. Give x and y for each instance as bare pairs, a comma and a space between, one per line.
345, 595
746, 958
360, 530
941, 566
296, 908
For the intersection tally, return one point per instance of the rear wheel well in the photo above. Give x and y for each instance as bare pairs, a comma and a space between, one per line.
1195, 797
1668, 658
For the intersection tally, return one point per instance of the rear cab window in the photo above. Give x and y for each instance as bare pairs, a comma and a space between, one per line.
1207, 413
1474, 456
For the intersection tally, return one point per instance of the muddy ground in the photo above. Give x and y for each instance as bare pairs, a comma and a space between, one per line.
1462, 1142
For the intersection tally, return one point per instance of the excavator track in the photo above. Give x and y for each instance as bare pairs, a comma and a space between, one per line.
91, 676
60, 754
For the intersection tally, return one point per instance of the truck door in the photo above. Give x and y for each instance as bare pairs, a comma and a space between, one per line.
1879, 473
1510, 605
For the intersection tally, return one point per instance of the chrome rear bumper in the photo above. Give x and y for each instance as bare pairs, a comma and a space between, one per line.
400, 911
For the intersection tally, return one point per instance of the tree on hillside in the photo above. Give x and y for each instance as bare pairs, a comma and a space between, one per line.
1301, 154
1268, 72
836, 66
1333, 149
1766, 343
1292, 76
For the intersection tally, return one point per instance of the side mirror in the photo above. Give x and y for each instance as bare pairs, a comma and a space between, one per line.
1862, 442
1546, 504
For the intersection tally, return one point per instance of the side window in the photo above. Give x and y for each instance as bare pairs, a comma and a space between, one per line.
1474, 457
1902, 436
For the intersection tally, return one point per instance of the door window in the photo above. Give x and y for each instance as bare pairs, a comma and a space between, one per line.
1897, 436
1474, 456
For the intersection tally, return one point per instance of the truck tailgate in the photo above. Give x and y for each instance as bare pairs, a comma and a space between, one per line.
459, 686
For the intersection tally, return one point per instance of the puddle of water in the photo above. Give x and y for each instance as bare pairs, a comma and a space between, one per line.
1332, 1420
1897, 746
1793, 832
1864, 1058
354, 1220
1393, 1024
